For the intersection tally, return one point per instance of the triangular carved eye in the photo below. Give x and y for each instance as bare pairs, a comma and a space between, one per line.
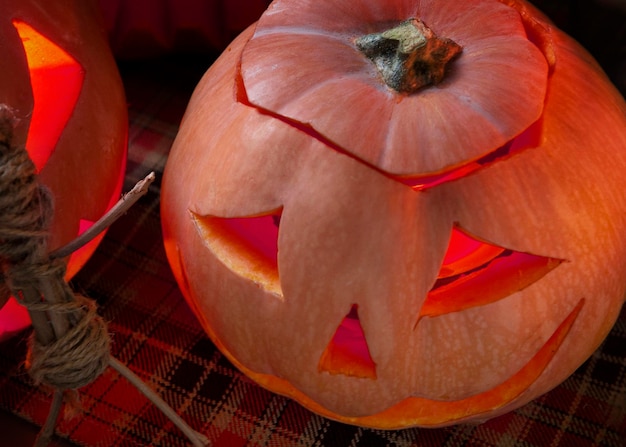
56, 81
475, 273
248, 246
348, 353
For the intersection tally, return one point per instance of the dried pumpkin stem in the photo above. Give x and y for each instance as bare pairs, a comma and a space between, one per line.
409, 56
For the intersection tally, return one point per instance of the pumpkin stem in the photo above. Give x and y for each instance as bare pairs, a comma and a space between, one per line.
409, 56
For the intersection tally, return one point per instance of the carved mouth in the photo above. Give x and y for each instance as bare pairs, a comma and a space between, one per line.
427, 412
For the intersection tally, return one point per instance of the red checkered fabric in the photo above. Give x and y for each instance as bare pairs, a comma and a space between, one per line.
155, 334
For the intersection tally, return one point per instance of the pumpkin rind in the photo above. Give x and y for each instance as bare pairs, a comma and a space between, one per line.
352, 235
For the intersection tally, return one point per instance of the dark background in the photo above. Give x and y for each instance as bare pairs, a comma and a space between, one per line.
598, 25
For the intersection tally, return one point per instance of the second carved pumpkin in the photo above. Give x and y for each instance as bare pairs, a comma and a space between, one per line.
61, 85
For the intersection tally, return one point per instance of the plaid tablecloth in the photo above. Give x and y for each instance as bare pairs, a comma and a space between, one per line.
156, 335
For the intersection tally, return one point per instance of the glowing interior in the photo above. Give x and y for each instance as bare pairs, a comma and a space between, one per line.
465, 253
420, 183
246, 245
13, 318
475, 273
56, 80
80, 256
348, 353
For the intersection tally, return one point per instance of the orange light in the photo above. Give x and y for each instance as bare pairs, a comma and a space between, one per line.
475, 273
56, 80
246, 245
13, 319
530, 138
465, 253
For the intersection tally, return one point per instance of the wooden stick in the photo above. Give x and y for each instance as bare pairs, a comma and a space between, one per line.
47, 431
51, 326
123, 205
197, 439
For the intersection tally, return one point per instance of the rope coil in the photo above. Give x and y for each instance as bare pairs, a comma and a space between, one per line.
77, 358
77, 355
70, 346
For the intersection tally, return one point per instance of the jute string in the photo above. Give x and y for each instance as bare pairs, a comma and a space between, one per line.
70, 345
77, 351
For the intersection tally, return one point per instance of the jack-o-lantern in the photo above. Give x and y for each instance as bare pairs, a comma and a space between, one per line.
61, 84
402, 212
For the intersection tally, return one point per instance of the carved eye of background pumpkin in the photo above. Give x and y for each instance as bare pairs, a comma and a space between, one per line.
56, 80
443, 255
68, 100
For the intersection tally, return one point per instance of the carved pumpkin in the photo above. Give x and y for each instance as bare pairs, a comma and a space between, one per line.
392, 256
61, 83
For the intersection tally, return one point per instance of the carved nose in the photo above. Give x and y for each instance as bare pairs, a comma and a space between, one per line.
348, 353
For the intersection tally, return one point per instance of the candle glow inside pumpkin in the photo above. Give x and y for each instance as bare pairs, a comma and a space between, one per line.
56, 80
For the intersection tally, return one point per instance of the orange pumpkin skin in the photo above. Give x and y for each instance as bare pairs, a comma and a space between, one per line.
78, 143
355, 237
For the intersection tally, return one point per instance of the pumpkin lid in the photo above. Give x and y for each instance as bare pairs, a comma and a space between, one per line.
302, 65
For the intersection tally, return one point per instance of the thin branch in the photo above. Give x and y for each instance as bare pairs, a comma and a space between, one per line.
197, 439
46, 324
47, 431
123, 205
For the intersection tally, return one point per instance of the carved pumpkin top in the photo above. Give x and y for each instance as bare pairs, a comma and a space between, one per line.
492, 92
